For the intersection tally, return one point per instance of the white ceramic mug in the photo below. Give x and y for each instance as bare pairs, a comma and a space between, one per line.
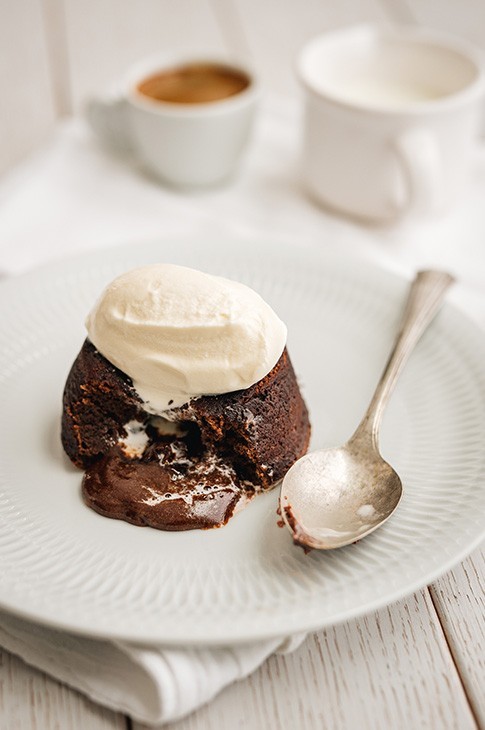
185, 145
391, 119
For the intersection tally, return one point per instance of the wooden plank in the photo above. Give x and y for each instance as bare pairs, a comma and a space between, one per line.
391, 669
275, 30
459, 598
27, 110
58, 54
104, 39
30, 700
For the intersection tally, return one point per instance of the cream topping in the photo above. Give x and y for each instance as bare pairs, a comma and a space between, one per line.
180, 333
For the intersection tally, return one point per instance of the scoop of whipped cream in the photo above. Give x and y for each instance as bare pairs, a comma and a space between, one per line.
180, 333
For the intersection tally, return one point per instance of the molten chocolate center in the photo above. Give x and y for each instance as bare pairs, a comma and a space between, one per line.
174, 485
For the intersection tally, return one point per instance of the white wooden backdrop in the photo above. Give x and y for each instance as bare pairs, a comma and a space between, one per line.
417, 664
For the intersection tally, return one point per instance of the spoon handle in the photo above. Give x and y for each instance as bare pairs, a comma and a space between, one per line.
424, 300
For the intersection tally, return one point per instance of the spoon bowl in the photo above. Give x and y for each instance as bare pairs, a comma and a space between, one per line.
333, 497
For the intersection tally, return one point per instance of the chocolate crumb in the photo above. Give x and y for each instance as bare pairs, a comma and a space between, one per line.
290, 518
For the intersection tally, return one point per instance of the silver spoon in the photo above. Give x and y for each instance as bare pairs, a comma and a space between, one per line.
333, 497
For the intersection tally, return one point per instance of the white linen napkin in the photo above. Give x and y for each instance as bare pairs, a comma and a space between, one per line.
151, 685
73, 196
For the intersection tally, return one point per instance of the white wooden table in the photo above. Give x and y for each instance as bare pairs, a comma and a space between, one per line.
416, 664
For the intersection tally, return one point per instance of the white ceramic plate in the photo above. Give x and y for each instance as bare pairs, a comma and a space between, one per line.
64, 565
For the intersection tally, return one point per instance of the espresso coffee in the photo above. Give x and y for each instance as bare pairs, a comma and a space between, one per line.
194, 83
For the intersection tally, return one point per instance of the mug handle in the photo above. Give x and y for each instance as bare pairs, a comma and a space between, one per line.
108, 117
421, 164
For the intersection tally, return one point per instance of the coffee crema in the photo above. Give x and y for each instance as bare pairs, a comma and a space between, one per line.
194, 83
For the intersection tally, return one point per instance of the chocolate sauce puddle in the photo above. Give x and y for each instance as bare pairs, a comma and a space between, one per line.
174, 485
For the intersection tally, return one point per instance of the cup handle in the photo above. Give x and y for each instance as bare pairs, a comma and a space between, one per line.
108, 117
420, 161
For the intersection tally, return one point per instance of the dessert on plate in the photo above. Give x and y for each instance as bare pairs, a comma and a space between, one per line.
182, 403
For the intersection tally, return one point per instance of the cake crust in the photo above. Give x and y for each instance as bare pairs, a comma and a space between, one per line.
258, 433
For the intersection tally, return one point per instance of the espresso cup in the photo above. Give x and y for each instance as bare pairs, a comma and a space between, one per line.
187, 121
391, 120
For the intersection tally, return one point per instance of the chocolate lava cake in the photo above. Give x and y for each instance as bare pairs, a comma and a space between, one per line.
191, 469
156, 449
